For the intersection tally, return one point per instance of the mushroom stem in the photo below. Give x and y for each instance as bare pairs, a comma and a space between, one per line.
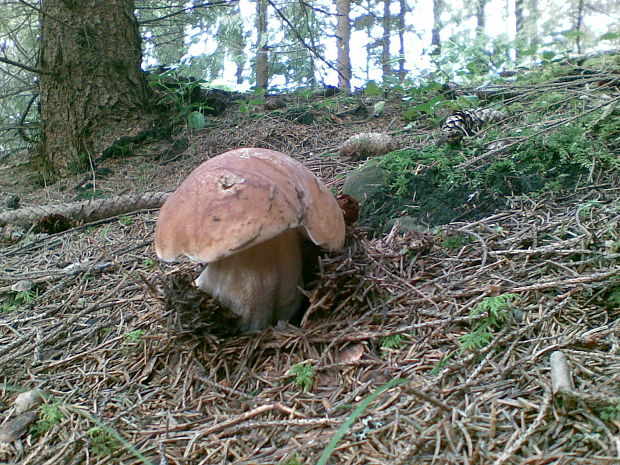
260, 284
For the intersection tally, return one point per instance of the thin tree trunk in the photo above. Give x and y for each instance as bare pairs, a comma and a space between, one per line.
579, 24
262, 53
98, 92
436, 31
533, 16
237, 48
343, 39
480, 17
519, 26
401, 39
385, 40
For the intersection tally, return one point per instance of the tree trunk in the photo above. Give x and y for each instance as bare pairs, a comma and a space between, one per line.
97, 92
436, 31
533, 17
519, 31
237, 47
385, 40
579, 23
262, 53
401, 39
480, 17
343, 39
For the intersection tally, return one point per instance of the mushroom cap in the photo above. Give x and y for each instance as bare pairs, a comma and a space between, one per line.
241, 198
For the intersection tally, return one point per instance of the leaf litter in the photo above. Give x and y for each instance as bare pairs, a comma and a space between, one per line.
130, 351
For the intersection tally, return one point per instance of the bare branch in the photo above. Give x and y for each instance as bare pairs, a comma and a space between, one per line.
301, 39
189, 8
32, 69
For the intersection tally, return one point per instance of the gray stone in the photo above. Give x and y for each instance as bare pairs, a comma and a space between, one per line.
366, 181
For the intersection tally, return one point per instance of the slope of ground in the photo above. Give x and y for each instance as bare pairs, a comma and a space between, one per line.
429, 346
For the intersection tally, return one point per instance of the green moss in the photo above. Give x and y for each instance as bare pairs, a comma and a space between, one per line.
432, 187
102, 442
393, 341
49, 415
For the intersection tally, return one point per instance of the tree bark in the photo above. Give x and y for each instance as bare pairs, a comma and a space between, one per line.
343, 39
519, 26
97, 92
579, 23
401, 39
436, 31
480, 17
533, 17
385, 40
262, 51
85, 211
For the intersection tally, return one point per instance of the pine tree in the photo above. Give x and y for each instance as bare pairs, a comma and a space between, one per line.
93, 90
343, 38
261, 64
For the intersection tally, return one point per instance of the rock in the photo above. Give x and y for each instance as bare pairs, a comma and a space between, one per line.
21, 286
367, 181
14, 429
28, 400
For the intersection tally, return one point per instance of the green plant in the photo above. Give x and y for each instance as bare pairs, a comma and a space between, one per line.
456, 241
258, 100
356, 413
181, 93
428, 108
14, 301
293, 460
49, 415
52, 413
613, 298
393, 341
148, 263
134, 337
610, 413
497, 309
102, 442
436, 184
585, 208
441, 364
106, 330
125, 220
25, 297
90, 194
474, 60
304, 375
8, 307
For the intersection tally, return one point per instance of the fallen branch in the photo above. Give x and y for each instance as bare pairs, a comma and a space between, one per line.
87, 210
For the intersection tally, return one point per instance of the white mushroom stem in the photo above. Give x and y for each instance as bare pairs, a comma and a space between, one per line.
260, 284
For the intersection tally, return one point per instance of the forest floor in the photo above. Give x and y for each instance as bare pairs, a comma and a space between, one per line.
417, 346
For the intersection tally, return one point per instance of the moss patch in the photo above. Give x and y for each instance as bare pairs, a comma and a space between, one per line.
433, 186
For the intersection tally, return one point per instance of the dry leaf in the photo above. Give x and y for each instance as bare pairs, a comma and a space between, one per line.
351, 354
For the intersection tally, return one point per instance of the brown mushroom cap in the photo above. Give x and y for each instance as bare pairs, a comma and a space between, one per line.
241, 198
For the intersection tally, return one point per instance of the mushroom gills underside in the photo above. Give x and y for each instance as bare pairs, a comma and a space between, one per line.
261, 284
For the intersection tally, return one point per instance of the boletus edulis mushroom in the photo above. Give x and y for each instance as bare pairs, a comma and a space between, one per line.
244, 213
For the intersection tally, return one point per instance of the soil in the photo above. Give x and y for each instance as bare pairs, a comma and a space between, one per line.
429, 346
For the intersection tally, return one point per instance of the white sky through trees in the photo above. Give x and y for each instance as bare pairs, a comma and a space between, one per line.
500, 22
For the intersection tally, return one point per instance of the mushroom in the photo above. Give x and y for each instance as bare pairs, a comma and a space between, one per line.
244, 213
